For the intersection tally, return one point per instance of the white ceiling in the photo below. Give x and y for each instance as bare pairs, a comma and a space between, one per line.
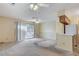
23, 11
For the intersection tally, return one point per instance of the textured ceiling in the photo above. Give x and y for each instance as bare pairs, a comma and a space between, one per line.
23, 11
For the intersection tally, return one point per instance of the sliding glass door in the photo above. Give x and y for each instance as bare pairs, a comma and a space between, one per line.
25, 31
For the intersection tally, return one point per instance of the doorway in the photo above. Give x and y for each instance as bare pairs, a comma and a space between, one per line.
25, 31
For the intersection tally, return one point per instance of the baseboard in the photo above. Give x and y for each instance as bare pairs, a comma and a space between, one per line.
7, 42
64, 50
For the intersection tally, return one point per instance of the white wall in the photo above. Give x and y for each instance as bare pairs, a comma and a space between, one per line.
48, 30
59, 28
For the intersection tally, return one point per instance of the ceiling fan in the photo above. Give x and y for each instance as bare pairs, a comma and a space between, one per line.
35, 6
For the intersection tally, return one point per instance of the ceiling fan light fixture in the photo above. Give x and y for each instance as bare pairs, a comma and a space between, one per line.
37, 22
31, 6
34, 7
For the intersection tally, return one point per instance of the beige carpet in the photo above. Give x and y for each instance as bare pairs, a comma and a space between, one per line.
27, 48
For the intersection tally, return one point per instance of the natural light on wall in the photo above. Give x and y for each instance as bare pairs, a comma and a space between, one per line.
75, 16
75, 20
